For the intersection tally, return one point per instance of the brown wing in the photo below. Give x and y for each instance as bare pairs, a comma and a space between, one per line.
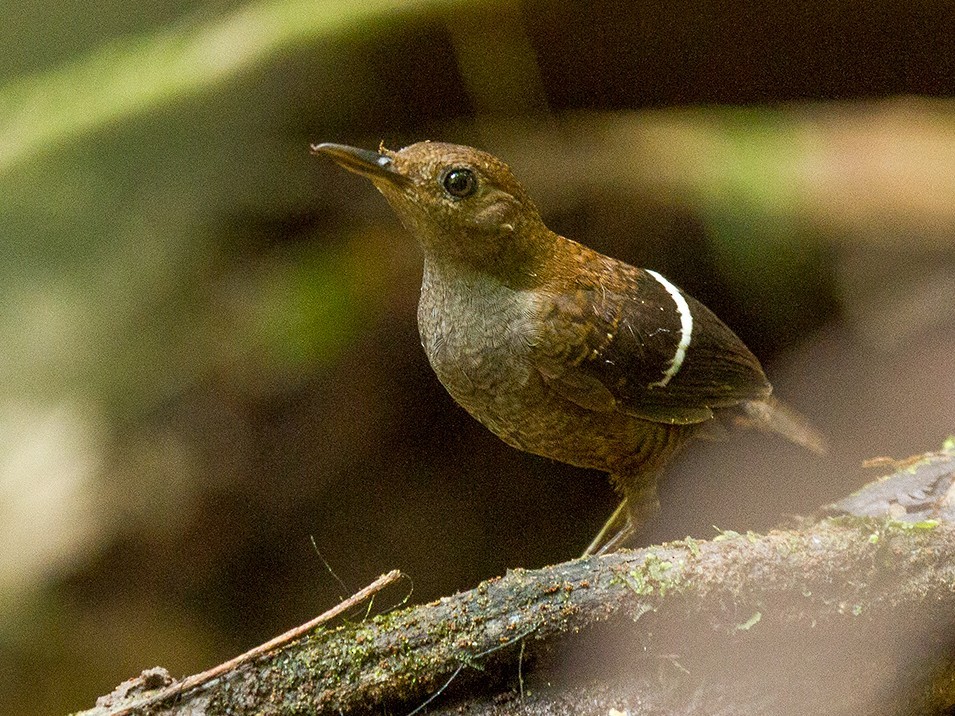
616, 347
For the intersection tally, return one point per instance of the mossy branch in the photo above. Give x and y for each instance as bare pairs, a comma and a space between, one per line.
880, 587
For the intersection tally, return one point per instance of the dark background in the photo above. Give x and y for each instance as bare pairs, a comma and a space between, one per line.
215, 415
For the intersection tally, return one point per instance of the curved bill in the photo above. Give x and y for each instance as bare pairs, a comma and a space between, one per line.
361, 161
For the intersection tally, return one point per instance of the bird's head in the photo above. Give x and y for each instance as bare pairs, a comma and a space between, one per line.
463, 205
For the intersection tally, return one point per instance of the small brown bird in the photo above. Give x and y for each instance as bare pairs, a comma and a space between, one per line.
557, 349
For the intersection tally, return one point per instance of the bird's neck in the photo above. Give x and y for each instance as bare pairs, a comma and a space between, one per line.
518, 261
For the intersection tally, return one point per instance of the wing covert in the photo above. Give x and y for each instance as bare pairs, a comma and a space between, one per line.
643, 346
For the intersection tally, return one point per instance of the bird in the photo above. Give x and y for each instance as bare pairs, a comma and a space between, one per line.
556, 348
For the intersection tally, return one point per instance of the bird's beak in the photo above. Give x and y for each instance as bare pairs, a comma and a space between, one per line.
373, 165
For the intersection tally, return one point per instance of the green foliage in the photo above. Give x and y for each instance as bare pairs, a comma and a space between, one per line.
125, 77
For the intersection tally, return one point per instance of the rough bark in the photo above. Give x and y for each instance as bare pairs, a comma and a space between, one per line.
845, 613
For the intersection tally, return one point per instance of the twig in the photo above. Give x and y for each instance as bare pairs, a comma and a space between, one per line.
192, 682
440, 691
327, 565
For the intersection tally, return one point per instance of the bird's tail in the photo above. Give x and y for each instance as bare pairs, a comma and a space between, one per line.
775, 416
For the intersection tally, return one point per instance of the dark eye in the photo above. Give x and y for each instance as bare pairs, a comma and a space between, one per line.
460, 182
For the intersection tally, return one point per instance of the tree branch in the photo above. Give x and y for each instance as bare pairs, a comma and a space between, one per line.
812, 617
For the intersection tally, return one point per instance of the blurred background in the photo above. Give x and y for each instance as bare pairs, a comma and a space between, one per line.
215, 415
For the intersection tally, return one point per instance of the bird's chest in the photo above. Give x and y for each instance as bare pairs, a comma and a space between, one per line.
476, 336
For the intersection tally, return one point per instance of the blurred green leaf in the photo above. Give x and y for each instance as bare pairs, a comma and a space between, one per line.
128, 76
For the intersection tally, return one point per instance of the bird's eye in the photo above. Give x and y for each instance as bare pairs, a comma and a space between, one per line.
459, 182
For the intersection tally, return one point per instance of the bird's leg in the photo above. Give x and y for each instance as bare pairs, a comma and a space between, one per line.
635, 478
618, 524
638, 506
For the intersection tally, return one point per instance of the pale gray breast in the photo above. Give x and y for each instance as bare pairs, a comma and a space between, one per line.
476, 332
